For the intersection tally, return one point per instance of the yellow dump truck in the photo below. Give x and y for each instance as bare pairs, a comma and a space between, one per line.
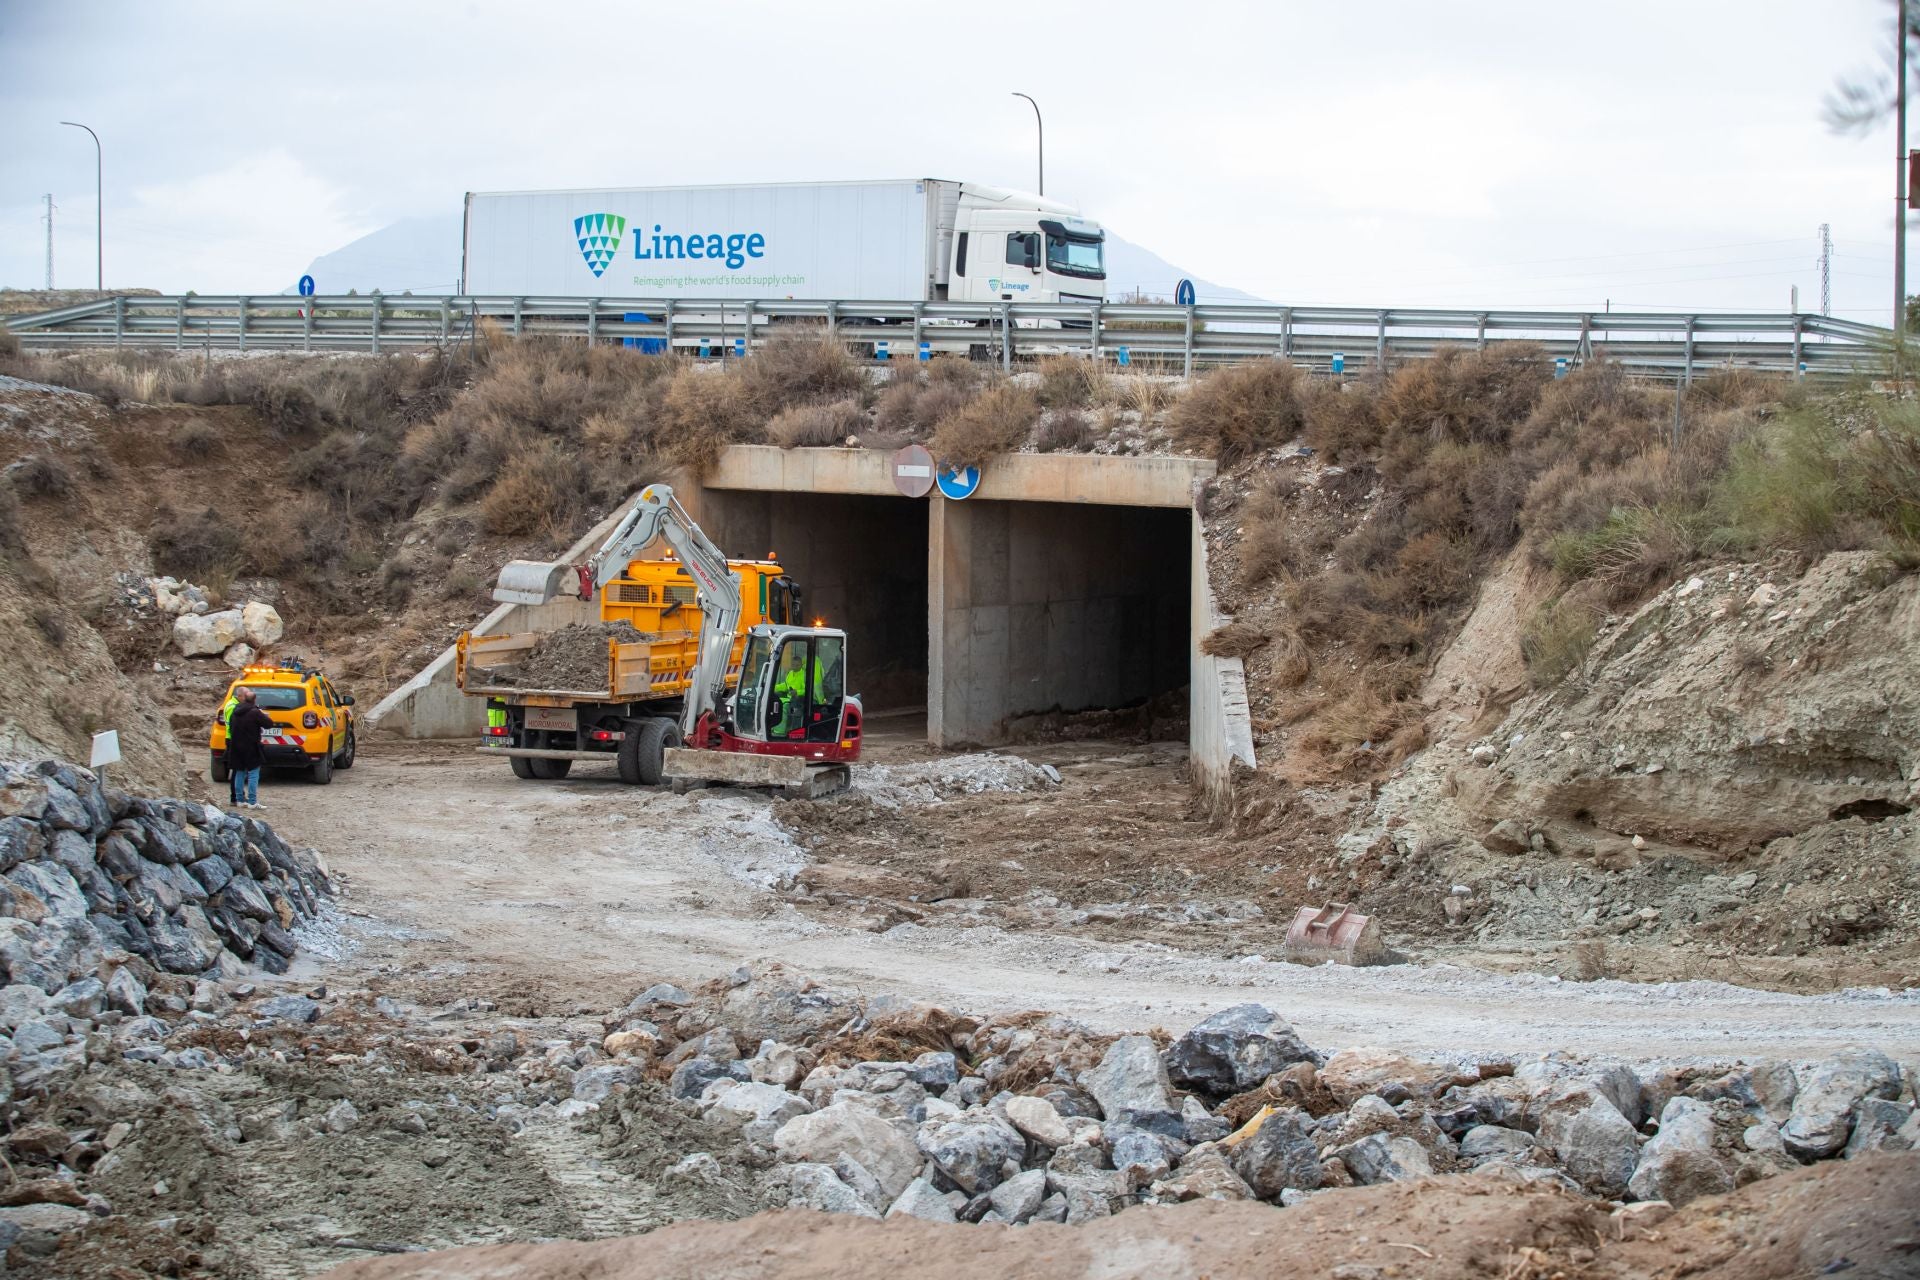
614, 688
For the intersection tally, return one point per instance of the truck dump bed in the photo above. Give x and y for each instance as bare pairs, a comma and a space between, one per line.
634, 671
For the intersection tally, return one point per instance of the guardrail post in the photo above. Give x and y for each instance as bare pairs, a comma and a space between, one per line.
306, 327
180, 322
1095, 332
1584, 352
519, 305
1480, 337
1006, 338
374, 330
1187, 370
746, 330
244, 303
1797, 374
832, 328
669, 322
593, 321
1380, 344
446, 320
1686, 376
119, 321
919, 317
1286, 333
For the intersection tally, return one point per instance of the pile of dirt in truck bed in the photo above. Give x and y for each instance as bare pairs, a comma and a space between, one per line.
574, 657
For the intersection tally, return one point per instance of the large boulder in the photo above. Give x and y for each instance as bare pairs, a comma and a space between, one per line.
732, 1104
1593, 1142
1131, 1081
1879, 1125
1234, 1050
1039, 1120
845, 1129
815, 1186
972, 1149
1379, 1158
1353, 1073
1281, 1154
202, 635
1822, 1117
1679, 1165
261, 624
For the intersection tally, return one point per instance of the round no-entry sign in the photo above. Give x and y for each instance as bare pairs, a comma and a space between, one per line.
913, 471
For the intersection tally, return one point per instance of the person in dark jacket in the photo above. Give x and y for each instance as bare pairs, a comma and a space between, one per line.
244, 753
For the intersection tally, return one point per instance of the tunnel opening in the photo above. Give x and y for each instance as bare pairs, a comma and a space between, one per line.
991, 618
861, 562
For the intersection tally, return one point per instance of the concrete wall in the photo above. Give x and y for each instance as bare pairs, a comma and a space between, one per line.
1015, 477
1220, 725
1034, 606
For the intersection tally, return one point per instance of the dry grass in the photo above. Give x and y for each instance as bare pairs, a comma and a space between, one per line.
38, 476
998, 420
1241, 410
1557, 637
537, 492
1064, 431
817, 425
1234, 640
1071, 382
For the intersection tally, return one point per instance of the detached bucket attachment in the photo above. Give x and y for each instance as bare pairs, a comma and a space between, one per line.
531, 581
1336, 934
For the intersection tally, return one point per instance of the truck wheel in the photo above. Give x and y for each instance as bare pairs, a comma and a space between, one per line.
551, 770
643, 750
218, 769
345, 759
522, 767
323, 770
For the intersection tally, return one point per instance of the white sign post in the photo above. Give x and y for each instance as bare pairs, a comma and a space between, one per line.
106, 750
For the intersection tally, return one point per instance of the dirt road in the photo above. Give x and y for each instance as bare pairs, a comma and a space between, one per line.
546, 896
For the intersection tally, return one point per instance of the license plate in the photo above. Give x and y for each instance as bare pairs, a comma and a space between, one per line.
551, 718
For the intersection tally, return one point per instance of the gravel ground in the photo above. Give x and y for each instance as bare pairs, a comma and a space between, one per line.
467, 881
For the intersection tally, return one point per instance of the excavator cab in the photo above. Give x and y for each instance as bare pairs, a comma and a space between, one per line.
793, 686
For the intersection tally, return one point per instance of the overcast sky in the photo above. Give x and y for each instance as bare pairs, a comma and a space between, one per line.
1647, 153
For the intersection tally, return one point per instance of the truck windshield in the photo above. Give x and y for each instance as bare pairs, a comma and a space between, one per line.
1074, 256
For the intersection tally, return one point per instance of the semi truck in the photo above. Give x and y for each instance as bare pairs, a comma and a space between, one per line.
911, 240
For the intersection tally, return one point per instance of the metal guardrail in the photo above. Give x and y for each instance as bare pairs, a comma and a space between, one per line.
1667, 345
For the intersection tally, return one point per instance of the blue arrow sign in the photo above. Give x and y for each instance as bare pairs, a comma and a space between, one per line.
306, 286
1183, 295
958, 482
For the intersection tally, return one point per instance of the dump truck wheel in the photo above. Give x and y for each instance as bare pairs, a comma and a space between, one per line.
551, 770
323, 770
345, 759
522, 767
643, 750
218, 769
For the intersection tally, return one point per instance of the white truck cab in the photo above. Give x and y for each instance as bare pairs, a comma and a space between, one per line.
1012, 246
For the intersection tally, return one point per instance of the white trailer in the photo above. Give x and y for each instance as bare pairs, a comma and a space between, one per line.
917, 239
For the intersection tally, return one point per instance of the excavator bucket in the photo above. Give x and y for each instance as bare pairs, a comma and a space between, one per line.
1334, 934
531, 581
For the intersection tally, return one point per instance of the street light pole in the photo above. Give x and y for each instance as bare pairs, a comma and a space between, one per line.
1041, 128
99, 213
1900, 184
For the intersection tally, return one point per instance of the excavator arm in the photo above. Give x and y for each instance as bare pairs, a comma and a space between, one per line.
656, 513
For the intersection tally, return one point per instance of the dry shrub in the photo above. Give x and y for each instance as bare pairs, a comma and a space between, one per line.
1556, 638
1267, 551
1234, 640
539, 490
706, 409
797, 370
953, 371
9, 343
1363, 716
817, 425
1343, 419
1465, 395
1145, 395
997, 420
196, 441
38, 476
1241, 410
1291, 661
1591, 963
1433, 569
1064, 431
51, 624
1070, 382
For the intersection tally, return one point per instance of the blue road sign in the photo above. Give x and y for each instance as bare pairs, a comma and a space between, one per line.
958, 482
306, 286
1339, 362
1183, 294
880, 350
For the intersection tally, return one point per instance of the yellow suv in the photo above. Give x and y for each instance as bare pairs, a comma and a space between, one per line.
313, 721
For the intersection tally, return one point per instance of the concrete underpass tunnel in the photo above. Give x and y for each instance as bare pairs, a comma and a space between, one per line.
983, 611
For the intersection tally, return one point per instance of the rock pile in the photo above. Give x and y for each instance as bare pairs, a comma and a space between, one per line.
1039, 1119
237, 635
98, 887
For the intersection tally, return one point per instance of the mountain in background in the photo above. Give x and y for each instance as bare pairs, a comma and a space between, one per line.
422, 255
